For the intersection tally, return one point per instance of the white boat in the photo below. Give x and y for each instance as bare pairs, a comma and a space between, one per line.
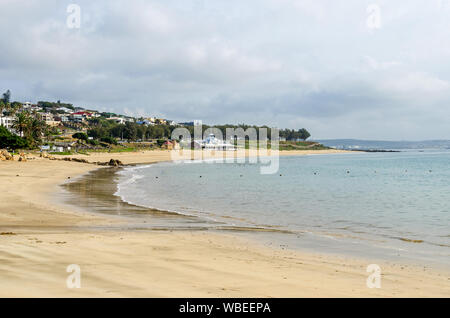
213, 143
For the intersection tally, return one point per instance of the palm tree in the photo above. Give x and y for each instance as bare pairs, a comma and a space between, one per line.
37, 128
22, 123
14, 108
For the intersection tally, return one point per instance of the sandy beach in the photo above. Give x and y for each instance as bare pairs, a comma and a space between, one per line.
40, 237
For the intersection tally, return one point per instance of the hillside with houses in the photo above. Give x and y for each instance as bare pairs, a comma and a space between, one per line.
63, 128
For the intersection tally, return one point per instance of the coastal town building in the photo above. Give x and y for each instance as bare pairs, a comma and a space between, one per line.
27, 105
7, 122
145, 122
171, 145
93, 113
48, 119
150, 120
85, 115
80, 117
65, 110
76, 118
67, 117
62, 118
117, 120
160, 121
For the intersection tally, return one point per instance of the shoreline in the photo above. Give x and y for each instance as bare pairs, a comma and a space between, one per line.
96, 191
45, 237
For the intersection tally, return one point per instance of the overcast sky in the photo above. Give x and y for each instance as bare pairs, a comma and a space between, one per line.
330, 66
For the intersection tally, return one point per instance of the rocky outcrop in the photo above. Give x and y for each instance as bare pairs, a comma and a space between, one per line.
111, 163
80, 160
115, 163
22, 157
5, 155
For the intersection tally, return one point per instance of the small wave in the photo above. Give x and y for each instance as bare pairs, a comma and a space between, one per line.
421, 241
410, 240
253, 229
131, 180
157, 209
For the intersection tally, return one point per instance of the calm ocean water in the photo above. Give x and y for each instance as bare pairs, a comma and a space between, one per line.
386, 204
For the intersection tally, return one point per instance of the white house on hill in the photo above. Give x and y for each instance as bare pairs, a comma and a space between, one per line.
6, 122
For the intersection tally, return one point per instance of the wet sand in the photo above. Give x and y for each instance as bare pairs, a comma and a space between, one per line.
41, 236
95, 192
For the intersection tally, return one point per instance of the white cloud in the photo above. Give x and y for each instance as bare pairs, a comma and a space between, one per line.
418, 83
373, 64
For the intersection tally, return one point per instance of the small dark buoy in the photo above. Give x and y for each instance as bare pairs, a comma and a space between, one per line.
200, 176
241, 175
315, 173
68, 177
281, 175
156, 177
348, 171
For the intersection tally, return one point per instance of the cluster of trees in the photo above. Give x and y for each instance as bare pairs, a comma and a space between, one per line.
107, 130
9, 140
31, 129
291, 134
103, 141
11, 108
223, 128
102, 128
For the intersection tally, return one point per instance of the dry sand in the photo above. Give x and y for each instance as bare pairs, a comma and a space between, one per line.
40, 238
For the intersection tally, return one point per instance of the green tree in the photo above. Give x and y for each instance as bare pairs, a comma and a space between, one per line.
7, 97
80, 136
130, 131
10, 140
304, 134
160, 142
13, 108
93, 142
158, 132
22, 123
36, 129
109, 140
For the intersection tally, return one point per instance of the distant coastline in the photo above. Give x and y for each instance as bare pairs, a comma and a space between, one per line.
358, 144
